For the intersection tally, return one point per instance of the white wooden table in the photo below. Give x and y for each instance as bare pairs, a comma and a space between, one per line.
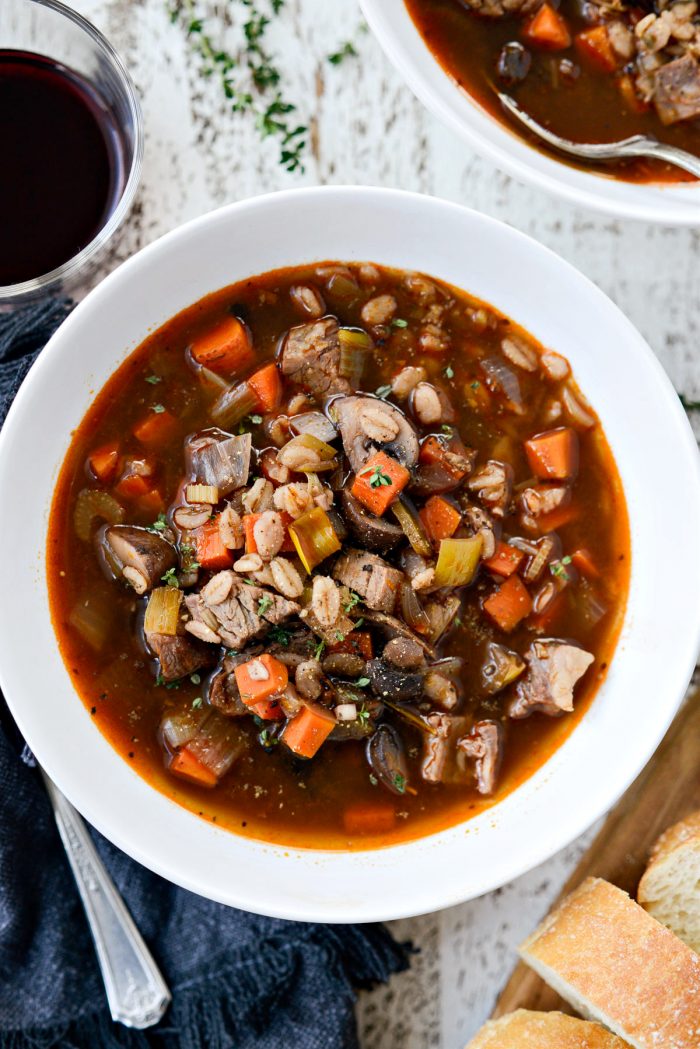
368, 128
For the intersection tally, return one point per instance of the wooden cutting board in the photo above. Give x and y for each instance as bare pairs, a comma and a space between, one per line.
667, 790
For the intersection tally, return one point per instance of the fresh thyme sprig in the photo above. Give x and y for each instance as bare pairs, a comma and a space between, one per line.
248, 76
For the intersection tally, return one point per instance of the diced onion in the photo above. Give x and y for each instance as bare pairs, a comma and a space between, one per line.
412, 610
321, 456
217, 744
457, 561
354, 346
92, 623
178, 729
232, 406
345, 712
92, 504
163, 611
314, 537
202, 493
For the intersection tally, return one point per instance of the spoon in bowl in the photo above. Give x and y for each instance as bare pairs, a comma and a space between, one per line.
636, 146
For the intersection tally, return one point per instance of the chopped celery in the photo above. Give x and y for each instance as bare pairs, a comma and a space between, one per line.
163, 611
314, 537
457, 561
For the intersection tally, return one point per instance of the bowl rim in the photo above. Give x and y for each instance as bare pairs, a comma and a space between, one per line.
429, 85
67, 271
141, 843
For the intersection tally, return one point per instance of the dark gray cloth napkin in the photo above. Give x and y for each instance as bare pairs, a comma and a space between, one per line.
239, 981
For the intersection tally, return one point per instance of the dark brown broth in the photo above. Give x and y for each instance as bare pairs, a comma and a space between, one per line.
272, 795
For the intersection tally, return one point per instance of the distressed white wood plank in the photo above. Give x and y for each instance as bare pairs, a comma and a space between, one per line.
368, 128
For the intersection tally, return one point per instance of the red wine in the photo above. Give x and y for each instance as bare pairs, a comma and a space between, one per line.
62, 169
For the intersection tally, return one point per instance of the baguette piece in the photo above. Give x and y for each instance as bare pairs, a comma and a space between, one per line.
616, 964
529, 1030
669, 887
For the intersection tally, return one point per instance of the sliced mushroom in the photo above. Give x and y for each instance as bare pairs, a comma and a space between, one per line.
387, 759
375, 533
148, 555
391, 682
501, 667
392, 627
358, 446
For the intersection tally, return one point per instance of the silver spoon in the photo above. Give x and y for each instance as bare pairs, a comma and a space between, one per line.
637, 146
136, 992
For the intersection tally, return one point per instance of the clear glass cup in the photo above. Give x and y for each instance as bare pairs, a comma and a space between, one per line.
49, 28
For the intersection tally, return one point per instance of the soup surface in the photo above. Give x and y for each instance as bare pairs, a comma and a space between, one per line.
589, 71
338, 556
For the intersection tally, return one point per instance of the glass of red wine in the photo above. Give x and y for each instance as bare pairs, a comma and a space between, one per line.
71, 147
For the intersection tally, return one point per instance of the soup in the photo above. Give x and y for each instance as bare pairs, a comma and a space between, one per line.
589, 72
338, 556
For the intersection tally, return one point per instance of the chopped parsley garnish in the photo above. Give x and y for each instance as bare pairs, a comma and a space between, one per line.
476, 384
363, 715
281, 636
340, 636
362, 682
446, 429
153, 379
170, 578
449, 372
348, 50
195, 679
353, 600
255, 419
263, 604
318, 651
158, 408
373, 780
382, 391
159, 525
160, 680
196, 703
399, 322
267, 740
399, 782
377, 478
557, 568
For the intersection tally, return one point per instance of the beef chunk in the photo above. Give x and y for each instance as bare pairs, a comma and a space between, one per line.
311, 357
180, 656
442, 761
484, 745
369, 576
144, 556
554, 668
677, 90
244, 615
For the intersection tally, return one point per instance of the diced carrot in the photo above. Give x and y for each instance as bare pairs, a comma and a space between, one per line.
509, 605
156, 429
133, 486
379, 483
434, 452
440, 518
632, 100
594, 44
583, 560
260, 678
547, 29
358, 643
210, 551
557, 519
267, 387
225, 348
542, 621
103, 462
306, 732
377, 817
151, 502
189, 767
249, 521
506, 560
268, 710
553, 456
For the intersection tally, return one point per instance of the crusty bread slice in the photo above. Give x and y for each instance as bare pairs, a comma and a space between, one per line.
616, 964
670, 887
526, 1030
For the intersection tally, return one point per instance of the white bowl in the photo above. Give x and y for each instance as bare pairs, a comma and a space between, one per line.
394, 28
656, 455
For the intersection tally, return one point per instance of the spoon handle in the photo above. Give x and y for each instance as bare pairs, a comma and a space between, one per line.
671, 154
136, 992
